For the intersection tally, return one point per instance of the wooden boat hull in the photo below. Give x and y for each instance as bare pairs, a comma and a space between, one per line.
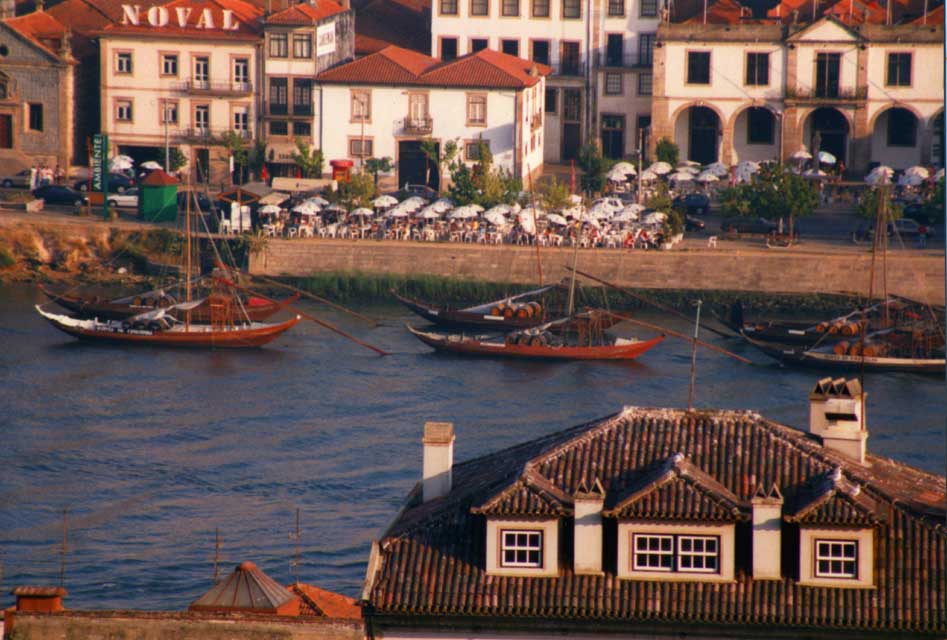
824, 360
107, 310
199, 337
498, 349
467, 319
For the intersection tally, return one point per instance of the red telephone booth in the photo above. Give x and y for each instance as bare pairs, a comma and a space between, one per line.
341, 170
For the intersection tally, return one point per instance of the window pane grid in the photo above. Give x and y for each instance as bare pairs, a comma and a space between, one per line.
449, 7
540, 8
571, 9
676, 553
649, 8
616, 7
698, 554
522, 549
836, 558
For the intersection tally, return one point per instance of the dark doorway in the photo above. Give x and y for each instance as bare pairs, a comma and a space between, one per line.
829, 133
704, 130
6, 131
202, 163
571, 123
413, 165
644, 134
937, 143
613, 136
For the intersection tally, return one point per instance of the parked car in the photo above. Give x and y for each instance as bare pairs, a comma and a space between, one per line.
127, 199
906, 228
58, 194
693, 224
740, 224
19, 180
693, 203
922, 213
118, 183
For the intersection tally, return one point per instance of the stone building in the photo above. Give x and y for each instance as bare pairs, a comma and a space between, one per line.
301, 41
37, 92
745, 89
658, 523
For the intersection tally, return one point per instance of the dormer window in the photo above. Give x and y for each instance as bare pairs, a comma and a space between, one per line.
836, 558
521, 548
675, 553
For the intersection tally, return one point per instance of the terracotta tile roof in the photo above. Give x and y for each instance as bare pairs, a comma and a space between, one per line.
248, 15
677, 490
305, 13
934, 17
832, 499
40, 28
431, 560
403, 23
159, 178
397, 66
531, 495
326, 604
852, 12
722, 12
39, 592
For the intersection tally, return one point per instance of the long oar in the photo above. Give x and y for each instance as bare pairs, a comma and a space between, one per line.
647, 301
321, 323
313, 296
681, 336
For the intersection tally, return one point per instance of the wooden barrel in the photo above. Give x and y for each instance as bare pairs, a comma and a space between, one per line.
508, 312
509, 340
136, 301
150, 302
833, 329
164, 302
850, 329
855, 349
536, 341
841, 348
523, 312
822, 327
537, 309
496, 310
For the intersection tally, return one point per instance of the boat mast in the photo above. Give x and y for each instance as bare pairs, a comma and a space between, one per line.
187, 250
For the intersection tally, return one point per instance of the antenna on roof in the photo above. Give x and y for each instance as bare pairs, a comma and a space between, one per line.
295, 537
216, 555
64, 548
690, 395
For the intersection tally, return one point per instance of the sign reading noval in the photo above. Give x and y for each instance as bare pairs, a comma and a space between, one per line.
325, 39
100, 150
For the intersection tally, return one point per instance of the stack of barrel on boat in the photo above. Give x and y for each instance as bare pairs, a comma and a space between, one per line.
870, 350
528, 338
521, 311
843, 327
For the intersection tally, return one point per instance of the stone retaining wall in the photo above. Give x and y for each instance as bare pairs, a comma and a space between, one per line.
914, 274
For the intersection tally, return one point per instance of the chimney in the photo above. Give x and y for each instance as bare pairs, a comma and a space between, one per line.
836, 415
767, 533
438, 459
587, 538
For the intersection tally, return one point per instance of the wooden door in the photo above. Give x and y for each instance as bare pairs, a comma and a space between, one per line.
6, 131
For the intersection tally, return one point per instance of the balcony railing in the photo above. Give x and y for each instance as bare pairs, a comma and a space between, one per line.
206, 134
628, 61
205, 87
569, 67
812, 93
280, 109
418, 126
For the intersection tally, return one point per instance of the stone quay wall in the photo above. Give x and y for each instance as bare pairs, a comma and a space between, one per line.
824, 269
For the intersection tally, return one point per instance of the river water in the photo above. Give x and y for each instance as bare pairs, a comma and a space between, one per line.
151, 451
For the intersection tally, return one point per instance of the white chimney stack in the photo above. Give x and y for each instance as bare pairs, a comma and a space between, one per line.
767, 533
438, 459
587, 537
836, 414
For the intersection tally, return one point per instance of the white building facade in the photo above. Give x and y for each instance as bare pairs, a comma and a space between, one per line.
600, 52
385, 104
872, 94
181, 75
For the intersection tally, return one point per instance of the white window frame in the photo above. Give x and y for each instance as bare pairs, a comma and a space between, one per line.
126, 108
533, 544
640, 554
608, 90
824, 553
701, 555
241, 119
124, 62
169, 60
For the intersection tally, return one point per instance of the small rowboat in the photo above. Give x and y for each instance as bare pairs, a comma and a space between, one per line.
613, 349
502, 315
257, 309
164, 331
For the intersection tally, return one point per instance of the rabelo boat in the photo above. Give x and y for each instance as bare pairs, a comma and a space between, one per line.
507, 314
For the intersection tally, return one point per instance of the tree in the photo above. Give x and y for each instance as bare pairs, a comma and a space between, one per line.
358, 191
594, 169
666, 151
257, 157
483, 183
236, 146
437, 156
660, 199
933, 208
375, 166
177, 159
554, 195
308, 159
775, 192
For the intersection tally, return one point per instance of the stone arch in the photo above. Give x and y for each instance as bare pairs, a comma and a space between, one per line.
697, 130
740, 133
895, 105
935, 126
906, 151
828, 129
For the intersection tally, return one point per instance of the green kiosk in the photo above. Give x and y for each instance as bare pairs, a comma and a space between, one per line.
158, 197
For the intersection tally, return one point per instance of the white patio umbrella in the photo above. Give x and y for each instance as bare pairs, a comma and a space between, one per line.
575, 198
363, 212
939, 175
707, 177
624, 167
120, 163
463, 213
501, 209
745, 170
495, 217
516, 207
656, 217
397, 212
476, 207
526, 221
443, 204
555, 218
429, 213
879, 175
689, 163
625, 216
306, 208
826, 157
801, 155
151, 165
601, 210
634, 208
414, 203
270, 208
815, 174
718, 169
320, 201
528, 211
681, 176
617, 176
648, 176
660, 168
686, 168
575, 212
918, 171
910, 180
384, 201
